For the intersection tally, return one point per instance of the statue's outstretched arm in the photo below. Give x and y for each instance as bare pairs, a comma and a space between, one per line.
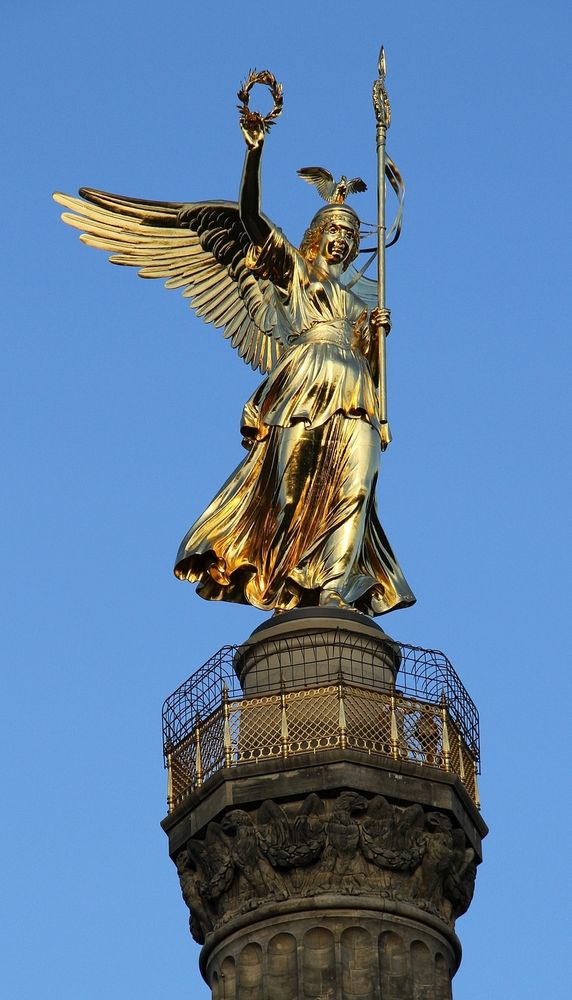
249, 202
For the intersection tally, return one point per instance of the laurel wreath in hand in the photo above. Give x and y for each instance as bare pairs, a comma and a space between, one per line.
268, 80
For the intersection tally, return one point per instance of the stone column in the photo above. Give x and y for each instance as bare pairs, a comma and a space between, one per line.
335, 872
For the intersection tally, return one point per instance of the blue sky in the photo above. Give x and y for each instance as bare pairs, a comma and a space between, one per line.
122, 410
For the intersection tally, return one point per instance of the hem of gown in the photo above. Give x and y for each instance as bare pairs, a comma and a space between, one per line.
195, 569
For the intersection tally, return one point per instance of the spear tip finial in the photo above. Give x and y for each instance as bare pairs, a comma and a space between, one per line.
381, 64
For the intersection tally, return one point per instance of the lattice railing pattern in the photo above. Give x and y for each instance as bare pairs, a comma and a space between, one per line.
380, 723
424, 675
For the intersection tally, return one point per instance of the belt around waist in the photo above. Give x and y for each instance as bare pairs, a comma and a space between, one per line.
326, 333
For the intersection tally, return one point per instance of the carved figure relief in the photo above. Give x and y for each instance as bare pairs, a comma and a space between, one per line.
342, 867
349, 844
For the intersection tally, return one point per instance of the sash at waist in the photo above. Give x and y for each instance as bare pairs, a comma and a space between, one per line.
334, 331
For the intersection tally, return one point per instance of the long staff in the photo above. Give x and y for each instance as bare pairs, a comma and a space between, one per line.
383, 120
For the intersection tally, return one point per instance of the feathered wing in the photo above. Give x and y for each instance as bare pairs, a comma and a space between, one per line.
356, 184
198, 247
321, 178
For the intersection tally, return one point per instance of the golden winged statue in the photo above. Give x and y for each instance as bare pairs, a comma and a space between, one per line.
296, 524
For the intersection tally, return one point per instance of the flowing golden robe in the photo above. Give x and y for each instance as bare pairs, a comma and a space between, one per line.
296, 523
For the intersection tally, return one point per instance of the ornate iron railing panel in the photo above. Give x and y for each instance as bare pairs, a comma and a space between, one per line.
427, 719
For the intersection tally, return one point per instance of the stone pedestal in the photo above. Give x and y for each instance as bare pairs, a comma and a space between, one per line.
313, 647
332, 874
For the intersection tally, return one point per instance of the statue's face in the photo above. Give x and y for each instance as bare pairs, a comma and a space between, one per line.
338, 243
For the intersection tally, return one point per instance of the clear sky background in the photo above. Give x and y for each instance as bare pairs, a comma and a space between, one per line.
121, 422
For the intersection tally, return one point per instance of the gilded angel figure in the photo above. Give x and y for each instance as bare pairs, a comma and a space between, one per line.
296, 524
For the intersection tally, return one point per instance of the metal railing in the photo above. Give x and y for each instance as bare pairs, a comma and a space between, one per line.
426, 719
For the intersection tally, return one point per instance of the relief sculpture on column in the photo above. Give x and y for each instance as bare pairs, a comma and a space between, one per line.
345, 845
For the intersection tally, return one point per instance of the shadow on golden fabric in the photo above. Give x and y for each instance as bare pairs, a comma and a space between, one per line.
297, 524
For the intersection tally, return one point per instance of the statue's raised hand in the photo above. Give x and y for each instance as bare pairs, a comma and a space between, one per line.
253, 128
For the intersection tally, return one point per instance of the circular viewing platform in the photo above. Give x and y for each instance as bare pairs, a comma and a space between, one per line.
312, 684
